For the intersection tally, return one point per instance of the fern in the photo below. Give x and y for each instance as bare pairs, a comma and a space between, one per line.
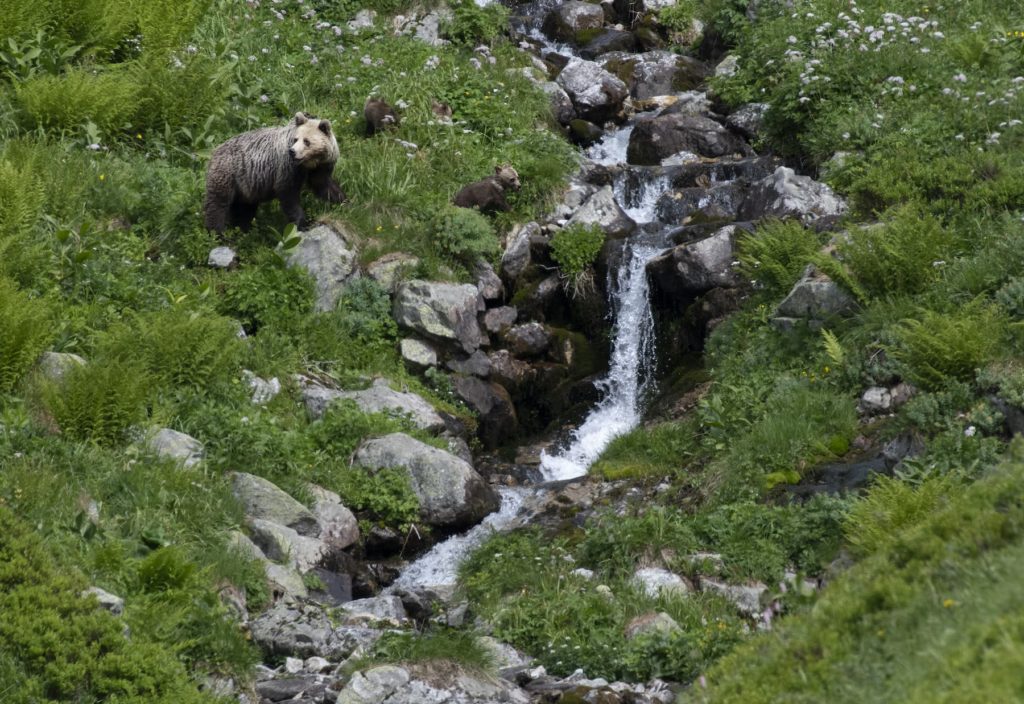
776, 254
833, 348
98, 402
26, 328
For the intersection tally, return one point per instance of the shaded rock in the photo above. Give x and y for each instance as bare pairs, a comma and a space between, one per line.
283, 544
659, 622
655, 73
476, 364
816, 297
584, 133
497, 320
379, 608
440, 310
516, 258
699, 266
222, 258
528, 340
417, 354
261, 499
240, 542
653, 140
449, 490
493, 406
656, 581
338, 525
514, 374
747, 598
904, 445
785, 194
171, 444
329, 255
561, 104
720, 203
284, 581
602, 209
378, 398
748, 119
607, 40
310, 688
110, 602
487, 282
54, 365
570, 18
596, 94
391, 268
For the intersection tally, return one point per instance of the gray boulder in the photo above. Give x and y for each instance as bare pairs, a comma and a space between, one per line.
449, 490
746, 597
561, 104
329, 255
171, 444
697, 267
261, 499
476, 364
602, 209
338, 525
659, 622
528, 340
284, 581
378, 398
656, 582
374, 686
391, 268
785, 194
514, 374
698, 206
487, 282
417, 353
111, 602
494, 408
263, 391
305, 630
816, 297
596, 94
378, 608
727, 67
282, 544
54, 365
222, 258
497, 320
516, 258
653, 140
748, 119
441, 311
568, 19
655, 73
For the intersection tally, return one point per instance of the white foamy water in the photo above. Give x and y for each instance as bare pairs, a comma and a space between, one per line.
639, 203
619, 411
611, 149
439, 566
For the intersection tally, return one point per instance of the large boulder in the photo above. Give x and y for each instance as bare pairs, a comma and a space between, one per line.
177, 446
528, 339
487, 281
561, 104
785, 194
493, 406
603, 210
748, 119
655, 73
596, 94
516, 257
605, 41
264, 500
497, 320
391, 268
338, 525
653, 140
816, 297
54, 365
329, 255
565, 22
378, 398
698, 267
450, 492
282, 544
305, 630
719, 203
514, 374
441, 311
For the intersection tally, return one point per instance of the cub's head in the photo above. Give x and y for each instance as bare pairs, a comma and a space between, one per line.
507, 177
312, 141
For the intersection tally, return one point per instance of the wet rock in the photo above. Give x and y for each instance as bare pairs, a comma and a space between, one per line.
785, 194
329, 255
177, 446
283, 544
338, 525
596, 94
747, 598
261, 499
516, 258
378, 398
449, 490
690, 102
391, 268
602, 209
110, 602
379, 608
487, 282
656, 581
816, 297
606, 41
584, 133
665, 135
417, 353
497, 320
528, 340
718, 204
904, 445
702, 174
441, 311
748, 119
476, 364
699, 266
655, 73
493, 406
54, 365
561, 104
659, 622
222, 258
567, 20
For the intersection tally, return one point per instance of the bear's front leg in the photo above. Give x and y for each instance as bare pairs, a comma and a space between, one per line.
293, 208
325, 187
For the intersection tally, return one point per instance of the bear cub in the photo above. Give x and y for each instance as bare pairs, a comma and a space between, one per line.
488, 194
379, 116
268, 163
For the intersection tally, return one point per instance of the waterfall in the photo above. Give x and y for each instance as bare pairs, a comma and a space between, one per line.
620, 408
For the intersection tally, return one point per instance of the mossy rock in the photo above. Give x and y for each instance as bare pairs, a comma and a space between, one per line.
623, 69
575, 351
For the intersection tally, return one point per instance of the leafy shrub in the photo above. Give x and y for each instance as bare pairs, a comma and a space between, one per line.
98, 401
70, 101
384, 494
358, 334
464, 234
776, 254
61, 646
26, 328
677, 17
575, 249
265, 292
615, 543
942, 347
1011, 298
472, 24
891, 507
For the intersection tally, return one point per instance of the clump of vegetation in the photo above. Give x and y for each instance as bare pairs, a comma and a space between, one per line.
25, 329
464, 234
575, 249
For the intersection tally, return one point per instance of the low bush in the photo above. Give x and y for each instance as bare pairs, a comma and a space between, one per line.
775, 256
575, 249
464, 234
26, 327
98, 402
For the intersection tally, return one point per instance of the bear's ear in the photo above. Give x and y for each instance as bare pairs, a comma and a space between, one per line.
325, 127
300, 118
498, 168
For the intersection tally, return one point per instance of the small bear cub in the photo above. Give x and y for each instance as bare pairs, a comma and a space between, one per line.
379, 116
488, 194
268, 163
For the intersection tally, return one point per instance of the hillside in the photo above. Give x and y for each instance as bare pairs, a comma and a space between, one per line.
770, 247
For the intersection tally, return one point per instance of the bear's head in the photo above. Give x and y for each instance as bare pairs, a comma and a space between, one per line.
312, 141
507, 177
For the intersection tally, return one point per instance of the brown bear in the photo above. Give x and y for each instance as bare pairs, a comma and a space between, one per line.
268, 163
379, 116
488, 194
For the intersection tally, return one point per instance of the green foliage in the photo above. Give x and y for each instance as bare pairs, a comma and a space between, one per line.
71, 101
26, 328
441, 645
890, 507
385, 495
99, 401
472, 24
678, 17
575, 248
464, 234
776, 255
649, 451
61, 646
264, 293
942, 347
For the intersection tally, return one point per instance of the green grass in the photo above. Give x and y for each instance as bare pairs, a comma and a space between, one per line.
442, 645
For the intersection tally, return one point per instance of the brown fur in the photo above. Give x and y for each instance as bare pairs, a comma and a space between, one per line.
488, 194
379, 116
269, 163
443, 111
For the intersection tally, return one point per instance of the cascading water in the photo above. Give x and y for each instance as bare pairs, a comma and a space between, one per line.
620, 409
